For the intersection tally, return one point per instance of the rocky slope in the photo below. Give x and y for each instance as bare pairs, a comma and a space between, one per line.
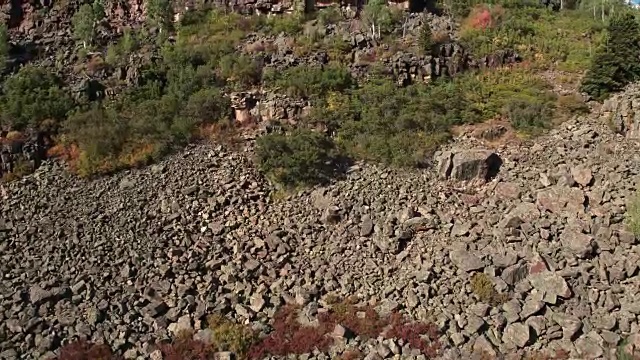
131, 258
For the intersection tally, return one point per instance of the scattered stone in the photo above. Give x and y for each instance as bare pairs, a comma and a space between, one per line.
581, 245
551, 285
582, 175
516, 334
466, 261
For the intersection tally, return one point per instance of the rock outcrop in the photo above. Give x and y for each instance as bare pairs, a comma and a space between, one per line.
622, 111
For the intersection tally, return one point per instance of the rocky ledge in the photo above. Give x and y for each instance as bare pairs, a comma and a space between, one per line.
125, 260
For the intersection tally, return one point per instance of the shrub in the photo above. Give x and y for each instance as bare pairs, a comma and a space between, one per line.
185, 347
527, 116
287, 24
32, 97
329, 15
616, 63
425, 39
420, 336
545, 38
301, 158
83, 22
240, 70
289, 337
398, 126
82, 350
304, 81
4, 46
483, 288
206, 106
229, 336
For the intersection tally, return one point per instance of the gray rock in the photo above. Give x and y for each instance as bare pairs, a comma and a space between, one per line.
552, 285
582, 176
581, 245
570, 324
468, 165
588, 349
517, 334
466, 260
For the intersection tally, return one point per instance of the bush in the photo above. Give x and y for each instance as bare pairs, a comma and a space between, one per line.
616, 63
301, 158
425, 39
84, 24
239, 70
483, 288
229, 336
33, 98
527, 116
400, 126
82, 350
4, 46
329, 15
306, 82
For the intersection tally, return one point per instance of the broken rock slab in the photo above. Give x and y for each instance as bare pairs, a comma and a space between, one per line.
551, 285
467, 165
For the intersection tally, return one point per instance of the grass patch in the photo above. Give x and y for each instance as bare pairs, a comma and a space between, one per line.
633, 215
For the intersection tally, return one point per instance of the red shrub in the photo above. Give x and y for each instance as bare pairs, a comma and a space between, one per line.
289, 337
423, 337
83, 350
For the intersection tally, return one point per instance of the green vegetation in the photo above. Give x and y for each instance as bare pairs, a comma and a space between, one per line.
616, 63
425, 39
160, 14
183, 92
300, 158
307, 82
33, 98
483, 288
84, 21
633, 214
4, 46
545, 38
229, 336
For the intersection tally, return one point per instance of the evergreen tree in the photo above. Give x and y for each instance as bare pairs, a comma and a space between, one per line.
4, 46
425, 39
84, 24
617, 63
160, 14
98, 10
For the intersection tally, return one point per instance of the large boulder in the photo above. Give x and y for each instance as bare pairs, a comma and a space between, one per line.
468, 165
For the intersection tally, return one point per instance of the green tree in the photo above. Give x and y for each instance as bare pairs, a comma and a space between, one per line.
617, 62
83, 22
374, 14
160, 14
4, 46
33, 98
425, 39
98, 10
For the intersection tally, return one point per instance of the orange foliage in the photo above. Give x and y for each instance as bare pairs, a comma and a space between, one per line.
68, 153
484, 17
139, 155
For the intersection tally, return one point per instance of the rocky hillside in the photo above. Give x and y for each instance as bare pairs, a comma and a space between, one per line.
200, 181
537, 259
